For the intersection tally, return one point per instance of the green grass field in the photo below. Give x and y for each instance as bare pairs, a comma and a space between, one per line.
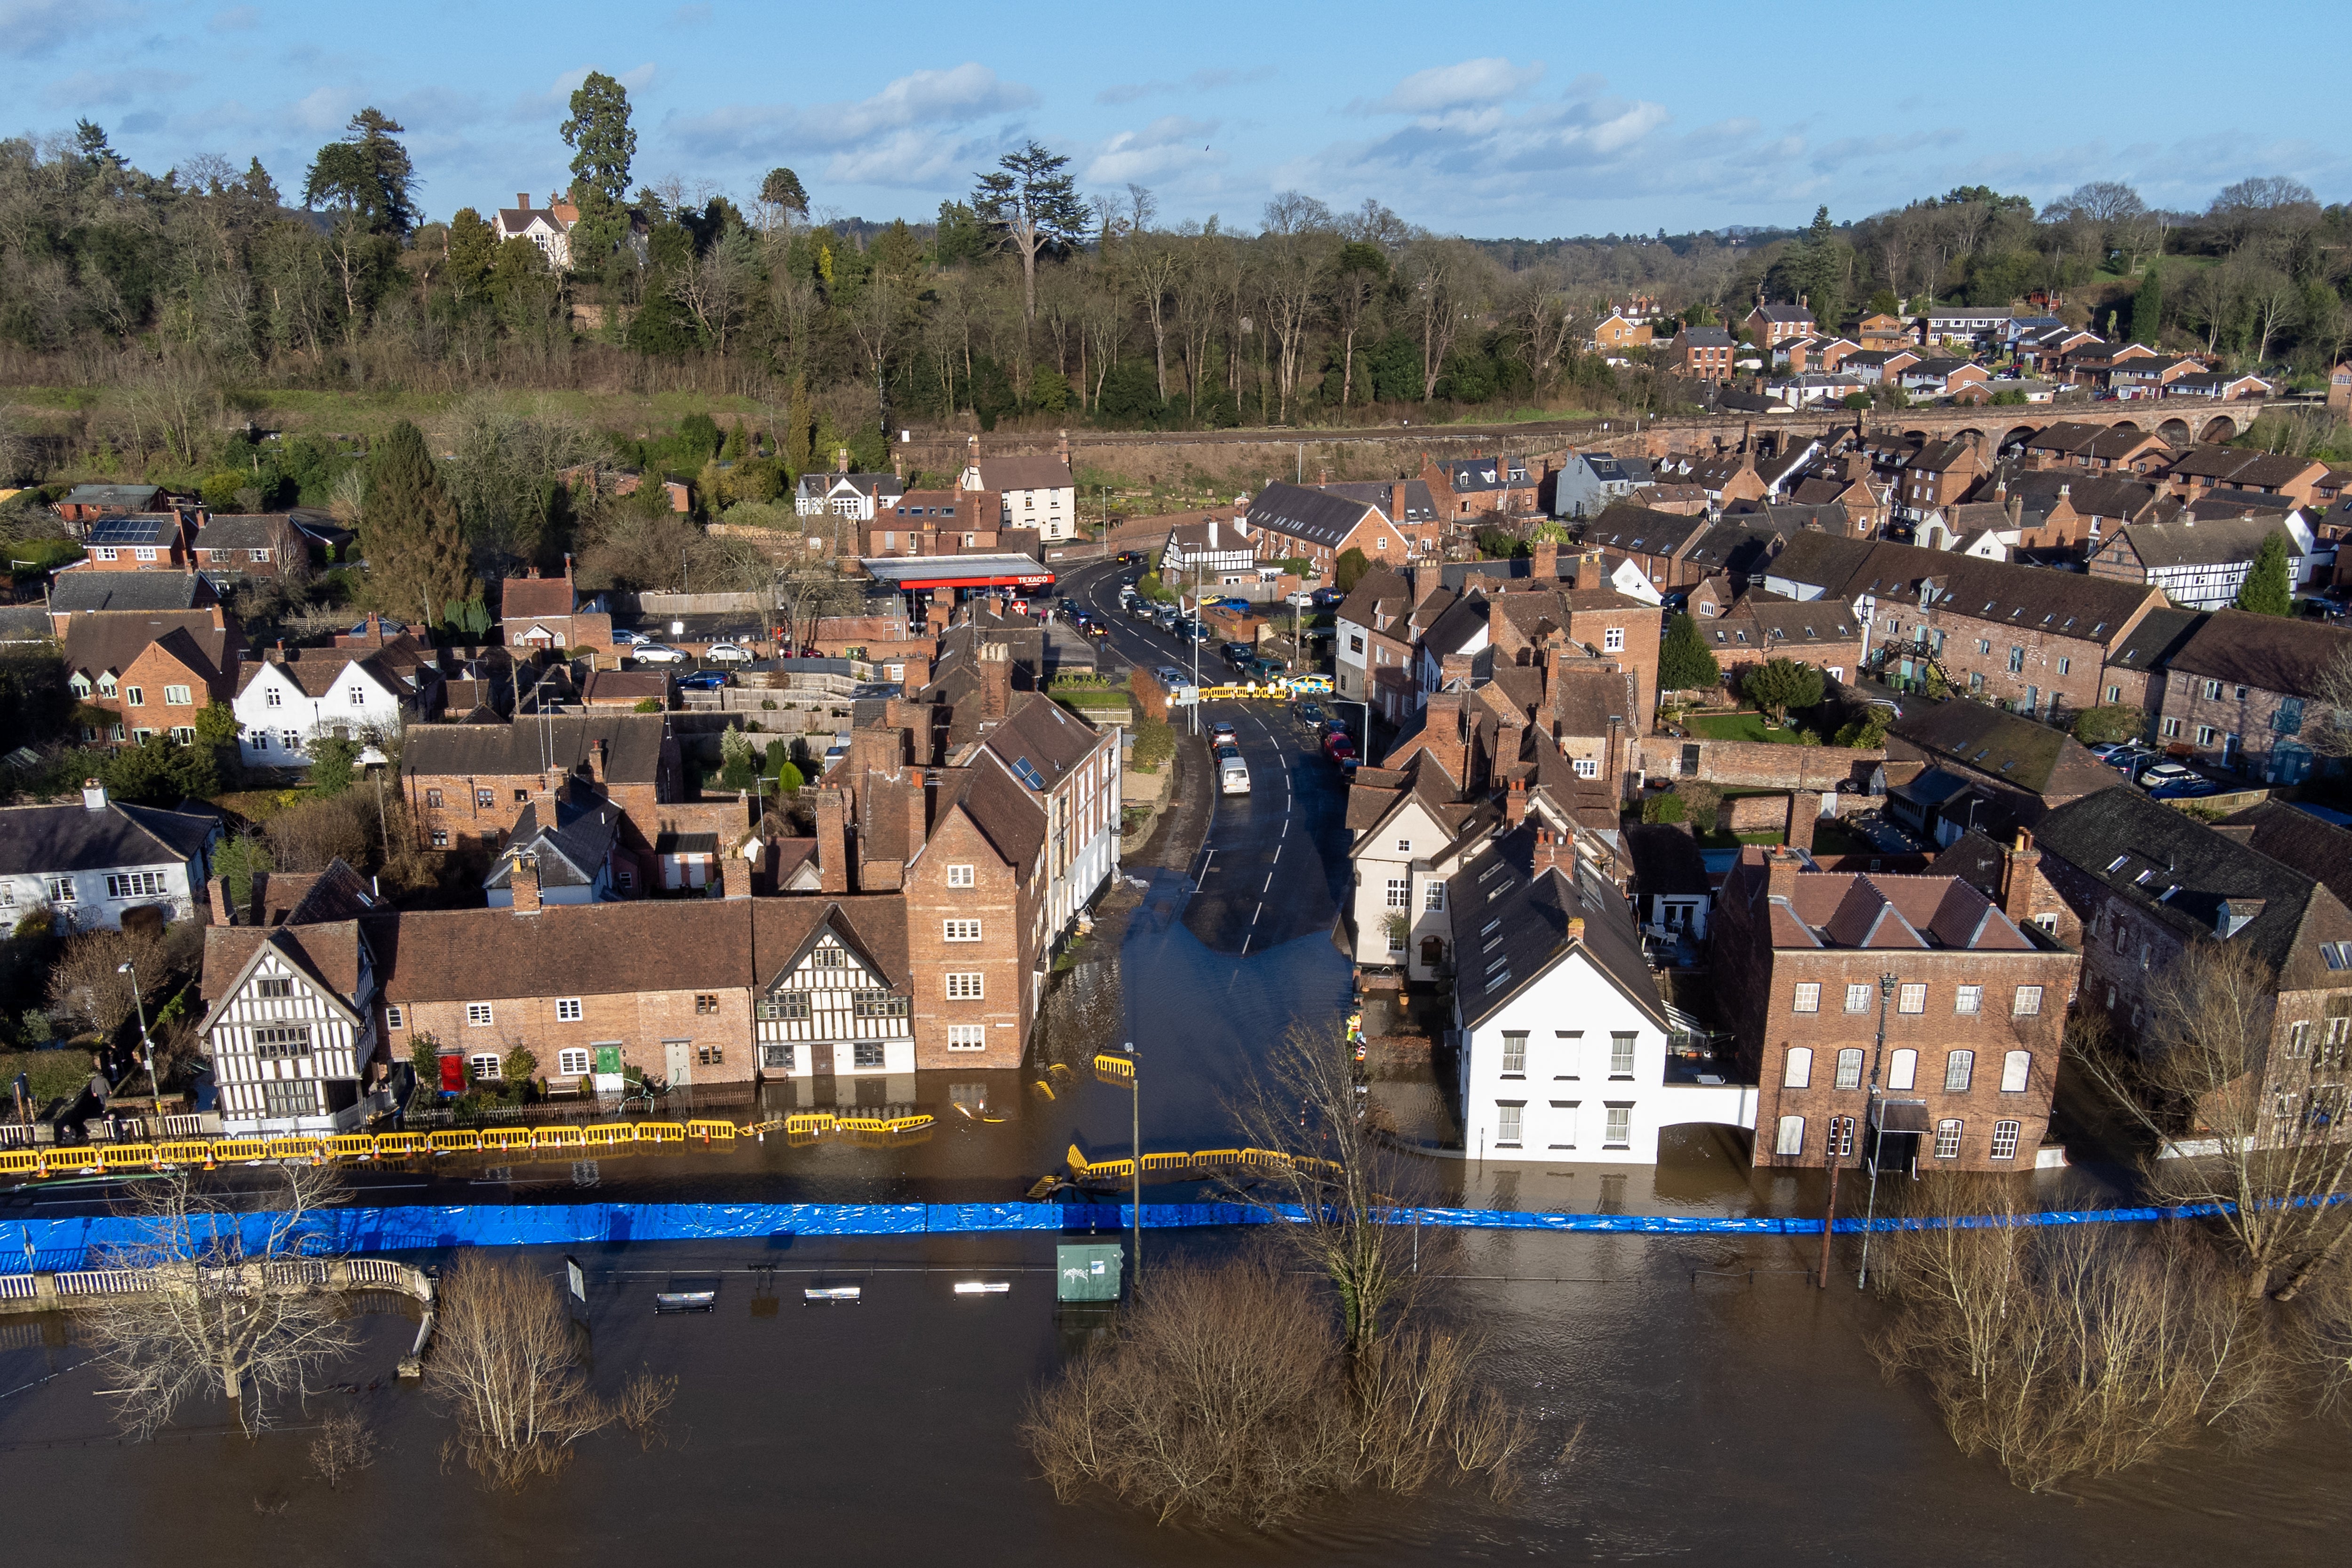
1740, 727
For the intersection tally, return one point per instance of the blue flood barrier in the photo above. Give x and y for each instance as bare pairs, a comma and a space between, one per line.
74, 1242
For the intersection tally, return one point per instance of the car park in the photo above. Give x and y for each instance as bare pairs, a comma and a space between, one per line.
656, 653
729, 653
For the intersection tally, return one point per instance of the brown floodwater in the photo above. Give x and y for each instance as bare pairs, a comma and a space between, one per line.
1728, 1411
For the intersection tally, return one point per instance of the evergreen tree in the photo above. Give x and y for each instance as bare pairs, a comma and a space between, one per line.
2266, 590
1684, 662
416, 552
2148, 308
367, 174
1780, 684
1349, 569
604, 142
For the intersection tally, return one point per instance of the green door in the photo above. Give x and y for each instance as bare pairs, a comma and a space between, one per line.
608, 1058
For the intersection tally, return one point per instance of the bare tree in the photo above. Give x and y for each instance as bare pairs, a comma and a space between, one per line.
2255, 1130
2069, 1349
345, 1444
1226, 1397
504, 1364
2327, 716
232, 1299
87, 982
1342, 1179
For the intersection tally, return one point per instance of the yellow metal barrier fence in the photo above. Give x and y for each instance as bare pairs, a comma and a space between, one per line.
95, 1158
1087, 1170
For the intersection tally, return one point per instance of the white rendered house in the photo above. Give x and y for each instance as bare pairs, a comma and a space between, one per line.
1563, 1033
282, 705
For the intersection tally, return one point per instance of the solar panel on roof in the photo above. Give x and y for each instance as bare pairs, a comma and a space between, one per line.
124, 531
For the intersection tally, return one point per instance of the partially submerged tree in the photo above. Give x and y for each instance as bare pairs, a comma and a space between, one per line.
505, 1364
2065, 1351
2262, 1139
233, 1298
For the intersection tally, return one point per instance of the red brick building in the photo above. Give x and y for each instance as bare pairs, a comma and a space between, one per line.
467, 785
1974, 1002
1701, 353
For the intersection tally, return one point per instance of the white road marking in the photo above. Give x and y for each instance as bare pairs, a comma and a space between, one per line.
1255, 914
1269, 883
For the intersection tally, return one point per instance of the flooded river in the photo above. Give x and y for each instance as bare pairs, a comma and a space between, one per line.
1728, 1411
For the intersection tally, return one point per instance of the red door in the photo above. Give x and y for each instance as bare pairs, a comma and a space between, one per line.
453, 1074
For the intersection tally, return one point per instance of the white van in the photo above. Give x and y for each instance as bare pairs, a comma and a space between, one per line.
1232, 777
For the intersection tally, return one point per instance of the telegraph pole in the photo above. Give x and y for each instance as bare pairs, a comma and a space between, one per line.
1870, 1123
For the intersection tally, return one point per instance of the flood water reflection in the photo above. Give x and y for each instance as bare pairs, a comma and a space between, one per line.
1728, 1410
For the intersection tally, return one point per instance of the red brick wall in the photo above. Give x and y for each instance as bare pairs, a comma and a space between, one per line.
1004, 957
639, 1021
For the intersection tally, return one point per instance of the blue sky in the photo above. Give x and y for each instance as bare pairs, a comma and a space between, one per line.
1527, 120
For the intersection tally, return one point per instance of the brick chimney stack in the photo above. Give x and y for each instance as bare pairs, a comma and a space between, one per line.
2018, 864
1547, 563
1780, 867
1396, 503
1548, 848
995, 679
831, 841
524, 882
1514, 809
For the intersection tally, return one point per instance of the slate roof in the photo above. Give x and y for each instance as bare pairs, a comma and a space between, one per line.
1420, 506
1510, 926
2174, 869
570, 852
2299, 839
39, 839
2159, 636
494, 750
2209, 541
315, 670
247, 531
1623, 525
2015, 750
2270, 653
1322, 517
79, 588
1476, 476
1705, 337
2063, 604
566, 950
24, 623
123, 498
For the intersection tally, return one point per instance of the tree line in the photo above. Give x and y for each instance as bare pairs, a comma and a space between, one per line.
1028, 296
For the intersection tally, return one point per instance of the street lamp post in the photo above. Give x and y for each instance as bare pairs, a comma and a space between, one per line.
1134, 1114
1869, 1123
146, 1045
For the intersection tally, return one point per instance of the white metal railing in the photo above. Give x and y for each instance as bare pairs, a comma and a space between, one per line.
16, 1134
103, 1282
375, 1271
17, 1287
184, 1126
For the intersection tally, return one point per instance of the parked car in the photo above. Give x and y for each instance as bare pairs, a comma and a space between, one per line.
704, 681
1141, 609
1233, 604
1235, 653
1094, 628
624, 639
1191, 631
2163, 773
1311, 713
1233, 773
1222, 734
1338, 747
729, 653
656, 653
1131, 557
1303, 599
1169, 676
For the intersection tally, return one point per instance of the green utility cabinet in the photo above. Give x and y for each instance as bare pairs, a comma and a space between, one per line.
1088, 1270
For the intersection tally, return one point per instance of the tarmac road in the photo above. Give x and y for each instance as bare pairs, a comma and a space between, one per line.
1274, 864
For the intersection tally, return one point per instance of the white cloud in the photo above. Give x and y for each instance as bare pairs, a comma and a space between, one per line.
913, 132
1472, 82
1169, 147
1206, 80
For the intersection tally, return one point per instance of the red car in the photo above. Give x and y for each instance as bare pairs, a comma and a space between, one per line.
1338, 747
